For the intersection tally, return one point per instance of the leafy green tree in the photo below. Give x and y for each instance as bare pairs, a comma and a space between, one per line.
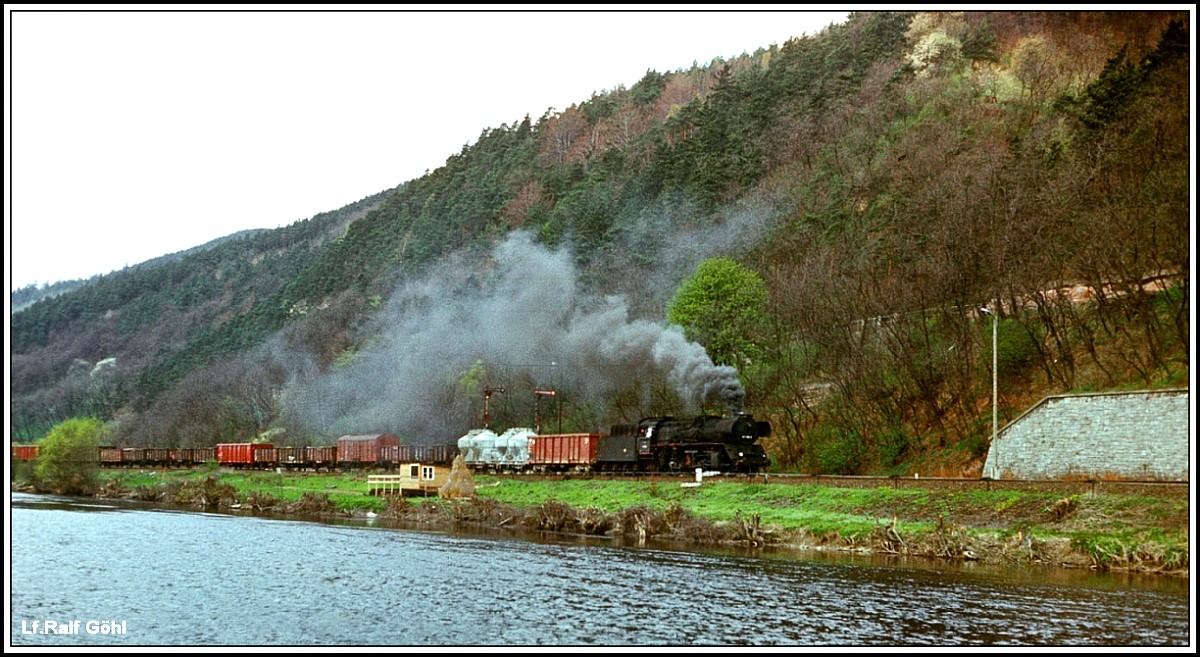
67, 458
721, 306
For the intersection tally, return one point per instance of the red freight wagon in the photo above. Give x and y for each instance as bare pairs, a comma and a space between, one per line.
237, 454
24, 452
564, 451
363, 449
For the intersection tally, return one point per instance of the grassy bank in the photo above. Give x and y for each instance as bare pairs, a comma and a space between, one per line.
1091, 531
1083, 530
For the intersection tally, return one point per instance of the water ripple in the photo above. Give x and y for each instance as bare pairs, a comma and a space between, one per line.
208, 579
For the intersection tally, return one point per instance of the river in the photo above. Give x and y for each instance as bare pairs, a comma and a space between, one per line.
155, 577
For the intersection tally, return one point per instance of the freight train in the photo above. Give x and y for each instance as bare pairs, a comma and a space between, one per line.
654, 444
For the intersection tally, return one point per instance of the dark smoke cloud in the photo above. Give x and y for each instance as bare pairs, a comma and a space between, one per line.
516, 309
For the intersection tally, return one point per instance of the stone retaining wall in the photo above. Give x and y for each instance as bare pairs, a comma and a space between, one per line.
1140, 435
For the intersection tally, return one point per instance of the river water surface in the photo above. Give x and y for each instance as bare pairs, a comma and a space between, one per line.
173, 578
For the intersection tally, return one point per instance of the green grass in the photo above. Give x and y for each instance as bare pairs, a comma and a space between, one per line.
816, 509
347, 491
1100, 525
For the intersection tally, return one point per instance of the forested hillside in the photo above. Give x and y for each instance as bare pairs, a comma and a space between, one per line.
24, 297
823, 218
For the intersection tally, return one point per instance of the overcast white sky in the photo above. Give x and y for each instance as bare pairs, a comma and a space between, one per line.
138, 134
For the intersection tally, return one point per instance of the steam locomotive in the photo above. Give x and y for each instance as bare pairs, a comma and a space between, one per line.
654, 444
666, 444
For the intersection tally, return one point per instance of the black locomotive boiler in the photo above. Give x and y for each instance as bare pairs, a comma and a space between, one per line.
667, 444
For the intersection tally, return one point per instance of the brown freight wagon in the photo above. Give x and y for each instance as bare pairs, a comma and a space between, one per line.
564, 451
111, 456
364, 449
438, 454
321, 457
185, 456
239, 454
157, 456
267, 456
289, 457
405, 454
133, 456
390, 454
193, 455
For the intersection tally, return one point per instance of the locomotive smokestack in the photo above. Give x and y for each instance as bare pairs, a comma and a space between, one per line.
721, 385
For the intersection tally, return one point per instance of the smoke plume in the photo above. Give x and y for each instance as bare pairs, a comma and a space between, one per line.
514, 314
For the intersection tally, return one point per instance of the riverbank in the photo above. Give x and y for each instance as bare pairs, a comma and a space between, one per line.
1101, 532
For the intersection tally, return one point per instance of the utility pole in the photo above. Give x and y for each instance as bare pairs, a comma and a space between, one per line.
555, 374
995, 376
537, 407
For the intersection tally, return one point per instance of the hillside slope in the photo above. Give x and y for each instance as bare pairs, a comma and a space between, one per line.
882, 179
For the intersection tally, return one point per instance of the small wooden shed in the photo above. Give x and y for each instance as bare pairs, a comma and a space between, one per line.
414, 479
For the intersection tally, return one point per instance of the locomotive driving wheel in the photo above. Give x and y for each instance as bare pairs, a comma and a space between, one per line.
670, 460
665, 461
